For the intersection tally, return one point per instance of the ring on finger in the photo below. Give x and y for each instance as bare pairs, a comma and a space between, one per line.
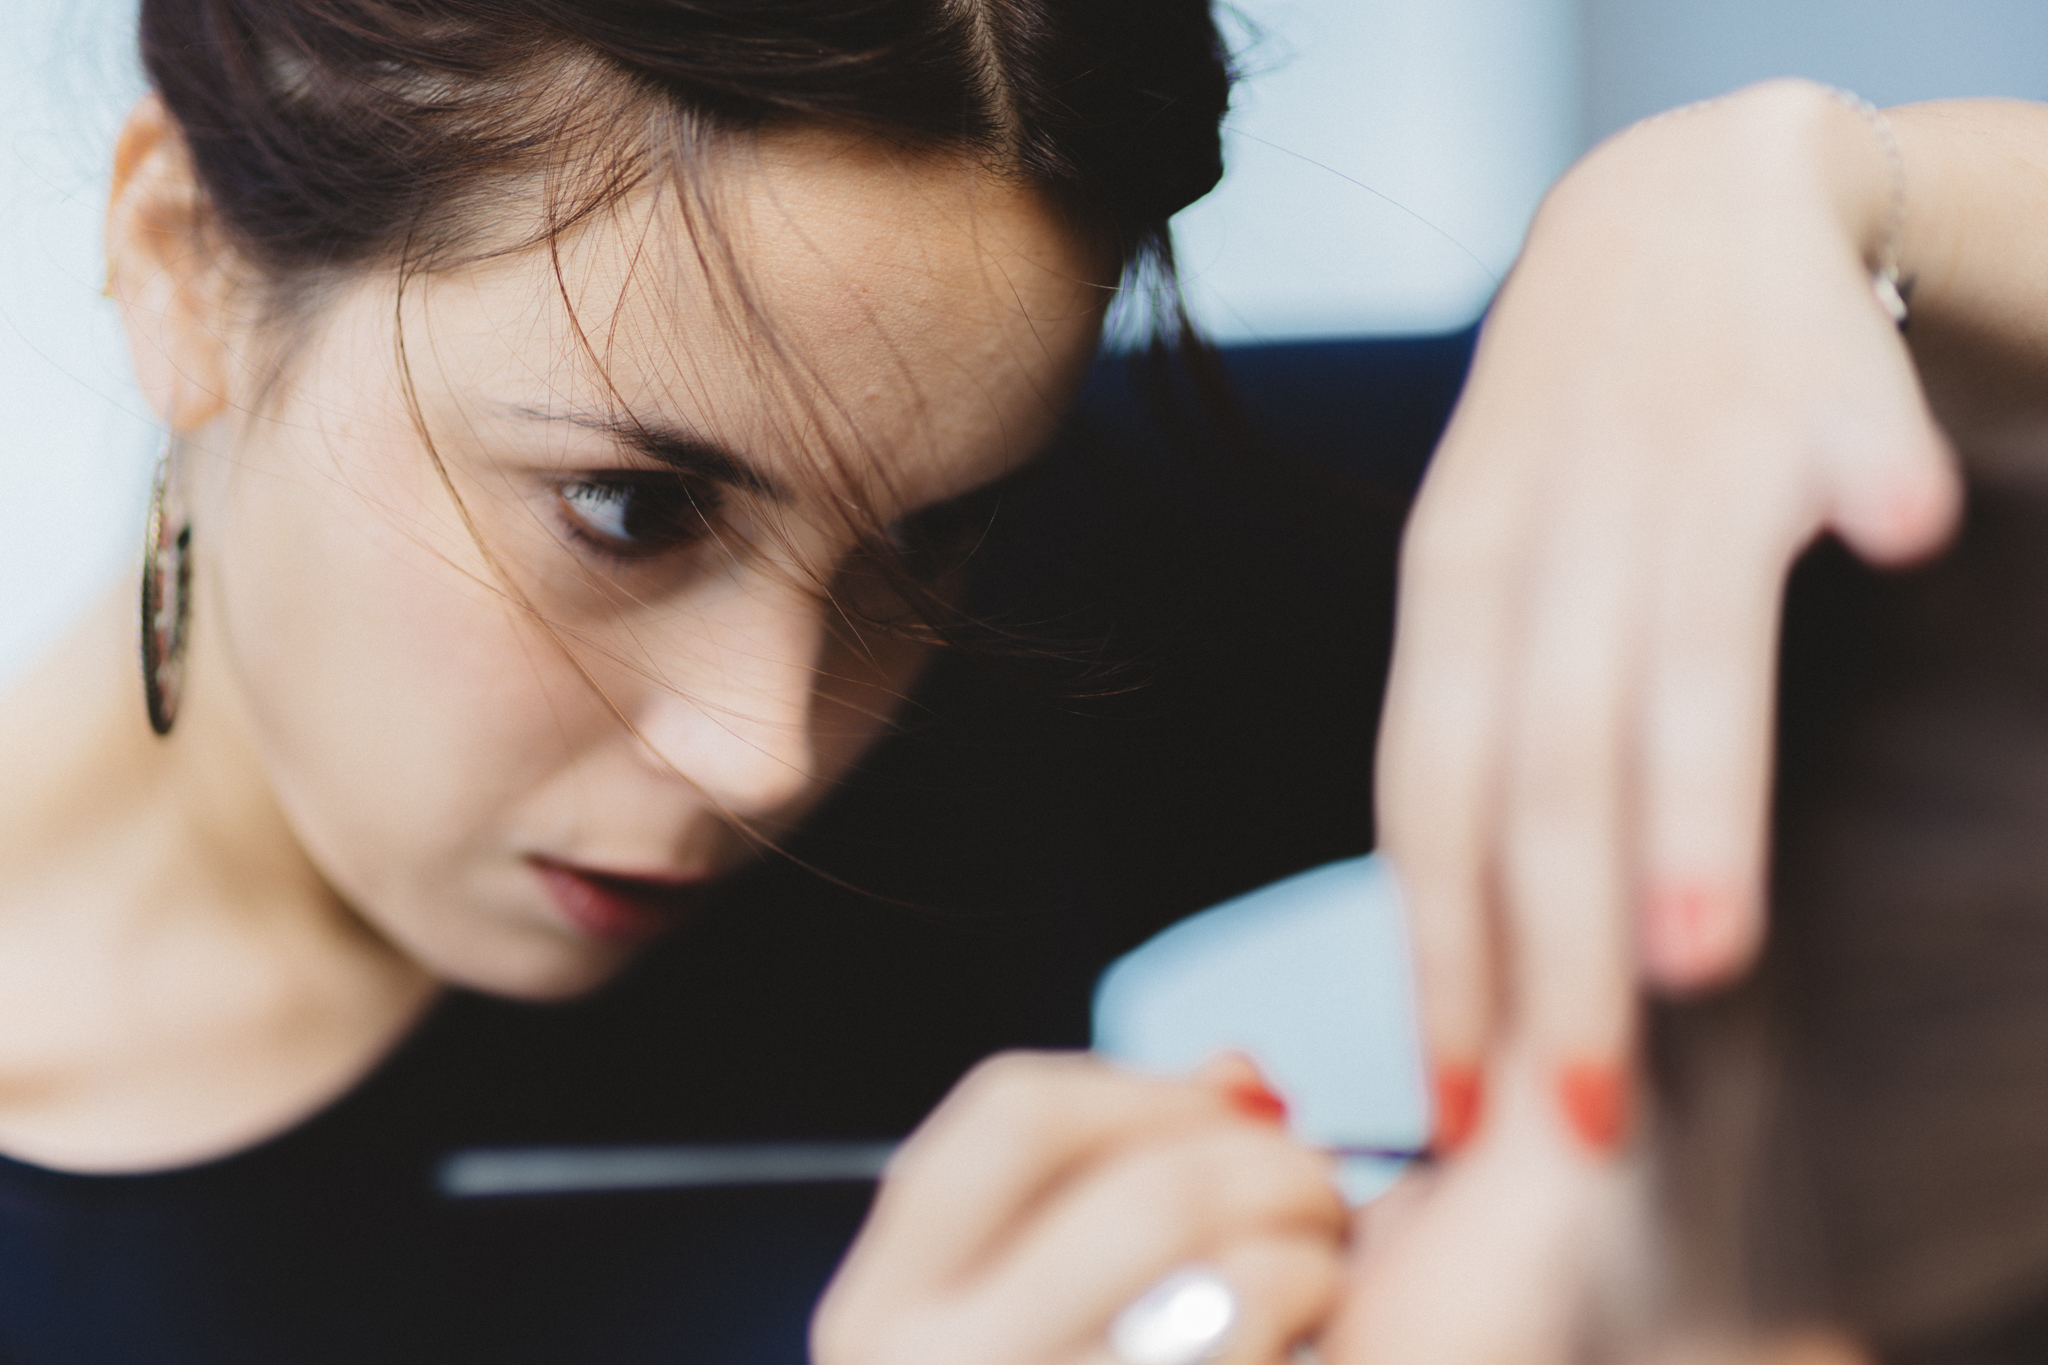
1183, 1320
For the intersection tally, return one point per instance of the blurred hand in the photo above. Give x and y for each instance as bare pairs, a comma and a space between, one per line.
1532, 1250
1498, 1258
1685, 380
1049, 1191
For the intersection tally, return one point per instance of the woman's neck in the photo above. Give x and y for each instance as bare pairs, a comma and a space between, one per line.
176, 979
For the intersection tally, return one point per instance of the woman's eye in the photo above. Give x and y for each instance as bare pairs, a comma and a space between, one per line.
634, 516
602, 507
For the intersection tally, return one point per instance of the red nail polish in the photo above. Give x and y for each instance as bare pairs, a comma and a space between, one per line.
1676, 914
1686, 924
1595, 1100
1255, 1099
1908, 516
1457, 1106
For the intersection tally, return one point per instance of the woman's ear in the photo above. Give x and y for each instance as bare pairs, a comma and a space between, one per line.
168, 278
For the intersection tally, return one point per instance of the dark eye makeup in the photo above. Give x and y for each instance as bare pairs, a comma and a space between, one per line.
628, 514
632, 515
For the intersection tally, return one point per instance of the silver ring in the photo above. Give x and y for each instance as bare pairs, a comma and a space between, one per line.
1182, 1320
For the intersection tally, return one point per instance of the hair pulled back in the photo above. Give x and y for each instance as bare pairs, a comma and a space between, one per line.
336, 134
1859, 1134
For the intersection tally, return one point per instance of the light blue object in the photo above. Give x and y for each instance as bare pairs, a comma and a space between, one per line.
1309, 976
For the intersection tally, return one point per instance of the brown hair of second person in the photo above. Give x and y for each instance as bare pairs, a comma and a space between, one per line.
1855, 1138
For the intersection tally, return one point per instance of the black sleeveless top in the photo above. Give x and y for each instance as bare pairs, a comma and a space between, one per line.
1202, 723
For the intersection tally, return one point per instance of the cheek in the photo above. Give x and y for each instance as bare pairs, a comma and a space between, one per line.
399, 703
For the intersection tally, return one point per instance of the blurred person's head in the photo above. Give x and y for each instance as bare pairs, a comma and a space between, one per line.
567, 400
1857, 1138
1844, 1159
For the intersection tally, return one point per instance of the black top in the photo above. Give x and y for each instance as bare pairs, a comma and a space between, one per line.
1201, 724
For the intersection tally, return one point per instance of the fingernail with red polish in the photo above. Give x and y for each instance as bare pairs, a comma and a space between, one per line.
1595, 1099
1457, 1106
1255, 1099
1907, 515
1683, 923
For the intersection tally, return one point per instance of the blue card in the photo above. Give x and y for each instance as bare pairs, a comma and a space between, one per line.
1311, 977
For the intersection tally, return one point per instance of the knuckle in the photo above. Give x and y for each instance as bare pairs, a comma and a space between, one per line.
868, 1344
1253, 1179
1005, 1070
832, 1341
1568, 728
1305, 1273
841, 1333
1561, 774
1289, 1289
871, 1328
1011, 1095
1441, 547
1170, 1179
1021, 1089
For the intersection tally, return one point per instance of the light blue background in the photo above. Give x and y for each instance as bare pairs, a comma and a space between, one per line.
1311, 978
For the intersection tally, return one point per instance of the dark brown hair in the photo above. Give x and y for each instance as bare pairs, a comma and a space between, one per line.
1858, 1136
335, 136
329, 134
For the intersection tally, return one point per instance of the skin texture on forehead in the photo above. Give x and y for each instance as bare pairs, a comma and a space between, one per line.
913, 308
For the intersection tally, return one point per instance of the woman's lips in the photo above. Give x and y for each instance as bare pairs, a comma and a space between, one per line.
617, 908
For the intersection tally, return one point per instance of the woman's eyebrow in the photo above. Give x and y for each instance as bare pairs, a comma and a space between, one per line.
681, 450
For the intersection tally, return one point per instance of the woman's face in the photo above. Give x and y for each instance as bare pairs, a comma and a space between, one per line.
520, 704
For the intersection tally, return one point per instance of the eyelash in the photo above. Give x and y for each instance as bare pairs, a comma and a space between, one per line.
930, 543
683, 521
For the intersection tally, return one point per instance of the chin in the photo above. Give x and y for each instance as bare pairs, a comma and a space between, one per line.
540, 970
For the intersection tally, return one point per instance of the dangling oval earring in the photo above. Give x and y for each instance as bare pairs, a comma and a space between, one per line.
166, 600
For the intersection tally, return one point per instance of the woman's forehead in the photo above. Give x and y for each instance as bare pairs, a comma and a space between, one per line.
922, 338
825, 238
819, 282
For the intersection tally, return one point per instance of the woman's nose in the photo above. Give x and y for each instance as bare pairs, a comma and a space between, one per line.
732, 711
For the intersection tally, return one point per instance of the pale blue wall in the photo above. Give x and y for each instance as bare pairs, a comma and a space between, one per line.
74, 442
1646, 55
1383, 161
